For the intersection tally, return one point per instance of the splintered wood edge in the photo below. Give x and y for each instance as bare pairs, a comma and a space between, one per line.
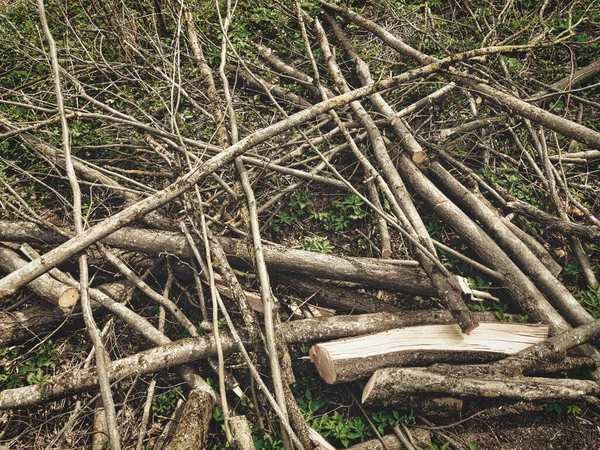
68, 298
323, 363
319, 440
369, 386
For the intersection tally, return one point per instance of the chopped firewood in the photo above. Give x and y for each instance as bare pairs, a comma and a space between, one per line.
358, 357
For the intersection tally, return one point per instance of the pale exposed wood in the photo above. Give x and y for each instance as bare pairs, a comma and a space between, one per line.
353, 358
193, 349
68, 298
319, 441
46, 287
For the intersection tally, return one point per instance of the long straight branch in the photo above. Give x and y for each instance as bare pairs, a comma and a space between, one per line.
102, 358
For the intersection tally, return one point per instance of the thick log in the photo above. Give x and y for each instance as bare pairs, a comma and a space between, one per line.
353, 358
196, 348
358, 270
241, 434
192, 430
18, 326
394, 384
46, 287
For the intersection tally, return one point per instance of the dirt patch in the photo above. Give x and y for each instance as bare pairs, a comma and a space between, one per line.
528, 427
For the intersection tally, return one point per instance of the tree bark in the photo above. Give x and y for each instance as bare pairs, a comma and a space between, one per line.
46, 287
193, 349
358, 270
192, 430
394, 384
10, 283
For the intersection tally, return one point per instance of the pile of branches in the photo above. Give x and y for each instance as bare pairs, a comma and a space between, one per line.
145, 147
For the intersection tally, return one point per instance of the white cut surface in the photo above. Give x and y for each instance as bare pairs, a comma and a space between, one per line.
507, 338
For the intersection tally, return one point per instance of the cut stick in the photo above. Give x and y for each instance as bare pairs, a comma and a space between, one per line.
366, 271
353, 358
195, 348
46, 287
393, 385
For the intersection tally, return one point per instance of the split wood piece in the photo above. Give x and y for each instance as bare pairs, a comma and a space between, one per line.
590, 232
393, 384
380, 275
554, 349
350, 359
538, 115
546, 357
46, 287
240, 433
192, 430
195, 348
